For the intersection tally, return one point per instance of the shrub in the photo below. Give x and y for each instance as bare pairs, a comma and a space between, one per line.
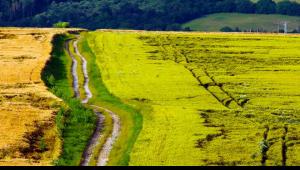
226, 29
61, 25
187, 29
266, 7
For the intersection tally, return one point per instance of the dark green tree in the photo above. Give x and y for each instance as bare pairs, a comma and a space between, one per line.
266, 7
226, 6
245, 6
61, 25
131, 14
226, 29
288, 8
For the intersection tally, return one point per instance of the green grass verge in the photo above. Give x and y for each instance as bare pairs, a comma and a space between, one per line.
217, 21
75, 122
131, 119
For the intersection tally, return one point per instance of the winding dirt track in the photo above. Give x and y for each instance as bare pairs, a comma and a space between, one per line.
74, 70
87, 155
103, 157
104, 154
87, 90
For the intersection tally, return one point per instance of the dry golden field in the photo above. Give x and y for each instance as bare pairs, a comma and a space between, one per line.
27, 129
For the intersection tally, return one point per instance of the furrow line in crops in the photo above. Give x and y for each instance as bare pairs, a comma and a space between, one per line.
265, 146
232, 99
163, 49
284, 145
206, 88
226, 101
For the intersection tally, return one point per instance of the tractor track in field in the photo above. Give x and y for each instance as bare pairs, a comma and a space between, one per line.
87, 155
104, 154
267, 143
103, 157
265, 146
226, 101
87, 90
284, 148
229, 102
74, 70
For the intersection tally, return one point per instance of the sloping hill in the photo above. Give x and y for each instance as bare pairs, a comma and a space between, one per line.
217, 21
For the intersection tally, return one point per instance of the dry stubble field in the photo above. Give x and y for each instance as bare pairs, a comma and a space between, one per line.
28, 132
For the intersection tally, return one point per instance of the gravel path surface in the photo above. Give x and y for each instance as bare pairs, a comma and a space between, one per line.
103, 157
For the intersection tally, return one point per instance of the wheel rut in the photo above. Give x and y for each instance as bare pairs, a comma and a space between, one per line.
265, 146
88, 93
94, 140
228, 101
213, 87
104, 154
284, 145
74, 70
103, 157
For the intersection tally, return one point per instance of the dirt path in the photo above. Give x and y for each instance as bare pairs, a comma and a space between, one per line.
87, 155
87, 90
108, 145
74, 70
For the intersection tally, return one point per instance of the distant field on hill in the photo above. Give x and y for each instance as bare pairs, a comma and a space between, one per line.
215, 22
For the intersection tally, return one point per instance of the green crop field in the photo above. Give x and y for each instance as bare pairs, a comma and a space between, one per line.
208, 98
245, 22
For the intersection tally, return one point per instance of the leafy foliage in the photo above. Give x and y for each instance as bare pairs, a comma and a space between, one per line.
266, 7
133, 14
62, 25
226, 29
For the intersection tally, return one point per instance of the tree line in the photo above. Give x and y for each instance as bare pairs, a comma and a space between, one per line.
132, 14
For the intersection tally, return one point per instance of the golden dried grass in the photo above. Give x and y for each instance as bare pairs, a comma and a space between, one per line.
26, 114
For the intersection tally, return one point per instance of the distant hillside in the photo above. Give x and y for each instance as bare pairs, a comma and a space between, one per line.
215, 22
